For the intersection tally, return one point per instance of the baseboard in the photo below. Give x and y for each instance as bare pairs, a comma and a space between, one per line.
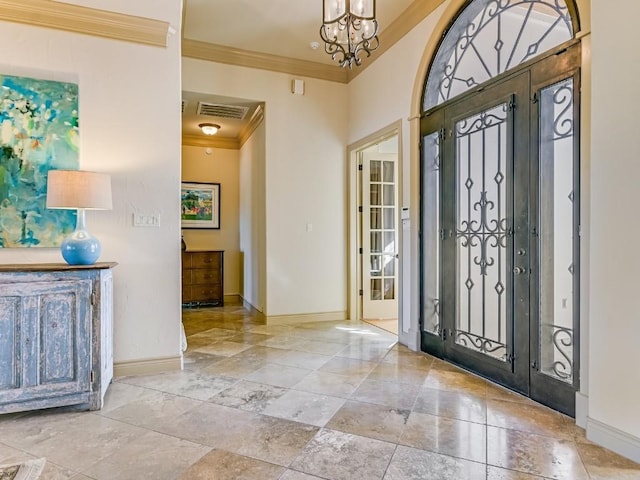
258, 314
149, 366
411, 339
582, 409
305, 318
232, 299
616, 440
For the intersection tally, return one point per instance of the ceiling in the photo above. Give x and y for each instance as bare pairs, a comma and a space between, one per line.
276, 27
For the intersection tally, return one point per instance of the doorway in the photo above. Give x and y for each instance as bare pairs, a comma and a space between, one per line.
500, 223
374, 203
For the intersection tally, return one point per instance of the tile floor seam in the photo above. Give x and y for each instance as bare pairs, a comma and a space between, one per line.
389, 463
584, 464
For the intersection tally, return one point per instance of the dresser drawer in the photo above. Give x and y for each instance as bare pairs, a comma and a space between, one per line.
204, 275
206, 293
205, 260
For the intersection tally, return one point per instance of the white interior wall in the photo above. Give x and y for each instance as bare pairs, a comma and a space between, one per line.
252, 219
377, 99
115, 78
614, 379
305, 182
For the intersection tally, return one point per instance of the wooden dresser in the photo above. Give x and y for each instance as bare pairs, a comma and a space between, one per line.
56, 335
202, 278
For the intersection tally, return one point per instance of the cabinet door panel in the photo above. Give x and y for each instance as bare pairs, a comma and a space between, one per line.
10, 354
55, 339
58, 338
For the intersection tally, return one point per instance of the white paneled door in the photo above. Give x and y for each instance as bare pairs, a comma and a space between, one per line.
379, 235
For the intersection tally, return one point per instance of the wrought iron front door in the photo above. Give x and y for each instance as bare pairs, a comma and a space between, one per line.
485, 190
500, 229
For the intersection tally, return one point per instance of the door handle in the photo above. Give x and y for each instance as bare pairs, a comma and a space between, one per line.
518, 270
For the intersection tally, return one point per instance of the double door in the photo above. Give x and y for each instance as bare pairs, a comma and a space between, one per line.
500, 231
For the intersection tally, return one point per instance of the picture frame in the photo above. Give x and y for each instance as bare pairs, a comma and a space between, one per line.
200, 205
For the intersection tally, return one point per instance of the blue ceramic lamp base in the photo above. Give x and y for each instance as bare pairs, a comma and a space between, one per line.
80, 248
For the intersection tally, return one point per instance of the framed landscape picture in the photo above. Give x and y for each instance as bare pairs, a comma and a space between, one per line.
200, 205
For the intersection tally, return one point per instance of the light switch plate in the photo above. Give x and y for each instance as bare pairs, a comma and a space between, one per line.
146, 220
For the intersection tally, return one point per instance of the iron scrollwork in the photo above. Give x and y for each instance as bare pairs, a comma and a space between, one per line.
461, 52
563, 342
483, 234
481, 344
563, 123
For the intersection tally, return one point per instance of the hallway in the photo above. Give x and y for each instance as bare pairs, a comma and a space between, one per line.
323, 400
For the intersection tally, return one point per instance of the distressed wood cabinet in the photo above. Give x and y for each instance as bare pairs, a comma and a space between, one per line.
202, 277
56, 335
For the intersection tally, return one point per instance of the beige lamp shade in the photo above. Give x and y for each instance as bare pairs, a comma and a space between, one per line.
70, 189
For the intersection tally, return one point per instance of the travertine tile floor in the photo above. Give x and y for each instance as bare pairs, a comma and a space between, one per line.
326, 400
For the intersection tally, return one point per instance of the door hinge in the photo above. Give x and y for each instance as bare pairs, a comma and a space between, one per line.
93, 299
360, 208
91, 376
512, 105
361, 292
360, 250
535, 98
360, 167
511, 358
579, 230
442, 134
443, 334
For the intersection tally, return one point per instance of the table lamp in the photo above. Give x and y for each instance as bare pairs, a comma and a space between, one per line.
79, 190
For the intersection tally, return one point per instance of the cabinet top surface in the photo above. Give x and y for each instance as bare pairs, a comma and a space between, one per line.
50, 267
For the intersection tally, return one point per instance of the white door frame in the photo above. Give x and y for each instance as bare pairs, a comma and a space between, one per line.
354, 280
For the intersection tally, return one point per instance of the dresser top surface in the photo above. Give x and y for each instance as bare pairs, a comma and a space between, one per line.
196, 250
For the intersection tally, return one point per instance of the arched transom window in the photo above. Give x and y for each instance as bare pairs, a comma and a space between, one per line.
489, 38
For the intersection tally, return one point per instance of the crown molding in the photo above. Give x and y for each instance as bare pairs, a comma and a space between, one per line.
264, 61
254, 122
412, 16
90, 21
230, 143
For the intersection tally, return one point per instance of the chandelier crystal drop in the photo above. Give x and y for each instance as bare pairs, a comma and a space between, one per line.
349, 29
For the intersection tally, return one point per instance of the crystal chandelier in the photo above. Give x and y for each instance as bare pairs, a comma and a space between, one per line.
349, 28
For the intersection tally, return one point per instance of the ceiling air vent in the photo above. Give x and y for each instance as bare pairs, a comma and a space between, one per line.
222, 111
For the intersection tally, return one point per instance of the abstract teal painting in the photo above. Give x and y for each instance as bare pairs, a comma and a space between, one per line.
38, 133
